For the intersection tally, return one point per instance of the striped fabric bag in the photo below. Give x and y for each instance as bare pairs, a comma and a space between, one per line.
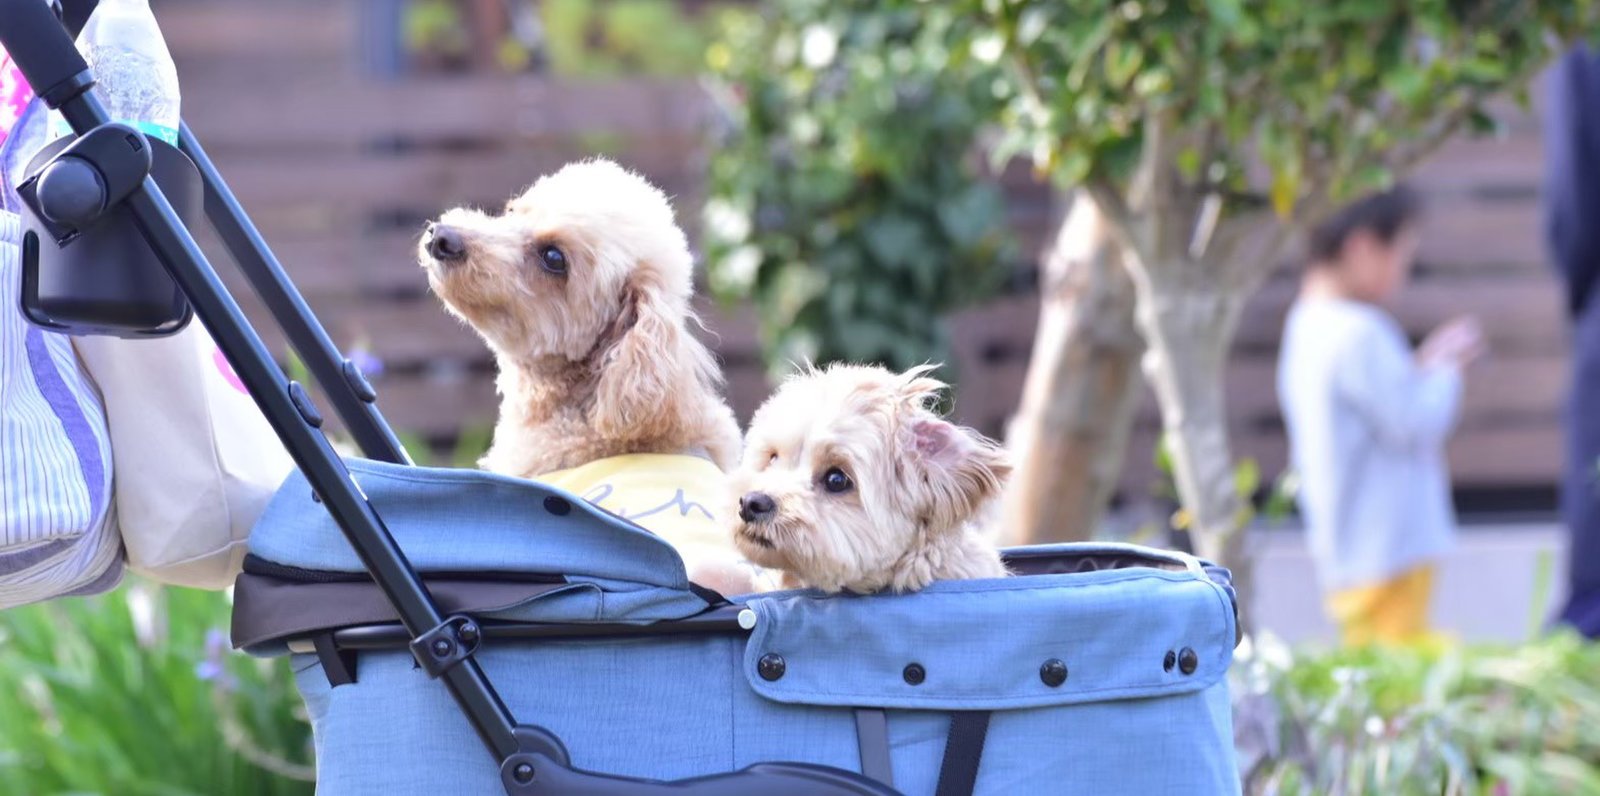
58, 530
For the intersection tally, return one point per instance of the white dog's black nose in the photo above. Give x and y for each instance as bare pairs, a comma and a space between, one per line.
445, 244
756, 507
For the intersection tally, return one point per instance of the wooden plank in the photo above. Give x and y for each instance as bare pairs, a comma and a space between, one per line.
1524, 313
415, 333
1496, 391
282, 30
1523, 456
1483, 166
437, 407
1513, 456
326, 250
354, 185
347, 113
1459, 236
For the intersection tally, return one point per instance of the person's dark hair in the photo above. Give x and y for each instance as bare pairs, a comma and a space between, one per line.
1383, 214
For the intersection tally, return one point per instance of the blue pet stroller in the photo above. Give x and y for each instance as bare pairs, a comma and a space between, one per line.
399, 591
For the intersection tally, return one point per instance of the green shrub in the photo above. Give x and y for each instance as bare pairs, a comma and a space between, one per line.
845, 198
1440, 720
135, 692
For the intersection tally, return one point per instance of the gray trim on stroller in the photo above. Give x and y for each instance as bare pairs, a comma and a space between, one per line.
337, 615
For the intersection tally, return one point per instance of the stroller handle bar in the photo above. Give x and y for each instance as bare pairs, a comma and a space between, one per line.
353, 397
34, 39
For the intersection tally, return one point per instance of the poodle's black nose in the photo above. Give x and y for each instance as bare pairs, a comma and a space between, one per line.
757, 507
445, 244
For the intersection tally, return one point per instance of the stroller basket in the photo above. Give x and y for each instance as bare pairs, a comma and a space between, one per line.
1099, 669
1092, 654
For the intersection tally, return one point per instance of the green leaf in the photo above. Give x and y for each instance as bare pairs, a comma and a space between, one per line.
970, 215
1479, 122
1120, 157
1122, 63
894, 241
1189, 163
1073, 167
1225, 12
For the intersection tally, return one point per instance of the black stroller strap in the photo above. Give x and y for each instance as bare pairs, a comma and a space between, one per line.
872, 736
338, 665
962, 752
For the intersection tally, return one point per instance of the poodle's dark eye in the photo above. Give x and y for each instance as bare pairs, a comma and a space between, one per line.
835, 481
553, 260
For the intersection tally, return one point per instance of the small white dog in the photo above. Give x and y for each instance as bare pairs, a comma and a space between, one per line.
850, 482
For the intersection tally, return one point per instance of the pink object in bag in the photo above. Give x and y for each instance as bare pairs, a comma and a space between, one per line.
15, 94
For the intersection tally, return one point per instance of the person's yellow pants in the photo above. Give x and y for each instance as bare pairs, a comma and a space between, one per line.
1392, 612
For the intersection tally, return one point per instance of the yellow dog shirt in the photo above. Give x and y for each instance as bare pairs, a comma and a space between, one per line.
673, 496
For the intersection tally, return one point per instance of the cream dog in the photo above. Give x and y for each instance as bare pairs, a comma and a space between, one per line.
850, 483
581, 289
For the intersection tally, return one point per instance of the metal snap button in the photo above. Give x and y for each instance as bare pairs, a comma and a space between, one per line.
771, 667
1053, 672
914, 674
1188, 661
557, 506
1170, 661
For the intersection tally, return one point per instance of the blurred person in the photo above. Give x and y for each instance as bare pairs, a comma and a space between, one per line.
1572, 213
1368, 419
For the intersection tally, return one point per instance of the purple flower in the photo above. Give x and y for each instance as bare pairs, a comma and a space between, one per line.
212, 666
216, 643
365, 361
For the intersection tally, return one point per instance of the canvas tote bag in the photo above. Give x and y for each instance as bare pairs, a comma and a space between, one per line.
196, 461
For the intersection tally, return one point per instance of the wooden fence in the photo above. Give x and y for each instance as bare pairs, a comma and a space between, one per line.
340, 172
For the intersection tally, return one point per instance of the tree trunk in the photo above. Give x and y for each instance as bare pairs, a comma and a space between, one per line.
1071, 430
1188, 325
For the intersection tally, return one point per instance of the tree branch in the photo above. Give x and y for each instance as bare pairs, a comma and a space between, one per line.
1118, 215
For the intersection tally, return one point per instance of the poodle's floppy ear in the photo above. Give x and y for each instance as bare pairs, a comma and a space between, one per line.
960, 470
652, 367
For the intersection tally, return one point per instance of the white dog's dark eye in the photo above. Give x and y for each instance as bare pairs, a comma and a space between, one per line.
835, 481
553, 260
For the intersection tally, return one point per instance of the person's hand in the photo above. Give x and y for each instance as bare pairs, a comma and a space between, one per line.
1456, 343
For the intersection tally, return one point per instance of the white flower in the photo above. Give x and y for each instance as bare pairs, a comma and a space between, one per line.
988, 48
726, 221
738, 271
818, 46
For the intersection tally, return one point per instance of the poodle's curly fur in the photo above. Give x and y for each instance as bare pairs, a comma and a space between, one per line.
862, 487
596, 357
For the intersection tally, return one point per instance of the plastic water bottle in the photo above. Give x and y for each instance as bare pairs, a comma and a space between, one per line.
134, 74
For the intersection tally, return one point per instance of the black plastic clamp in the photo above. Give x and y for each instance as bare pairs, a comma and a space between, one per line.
88, 178
452, 642
539, 756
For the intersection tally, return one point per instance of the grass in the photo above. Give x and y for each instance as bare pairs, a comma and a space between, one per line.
135, 692
1481, 719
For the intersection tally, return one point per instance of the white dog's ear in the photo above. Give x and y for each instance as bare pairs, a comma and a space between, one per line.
918, 389
959, 469
652, 366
